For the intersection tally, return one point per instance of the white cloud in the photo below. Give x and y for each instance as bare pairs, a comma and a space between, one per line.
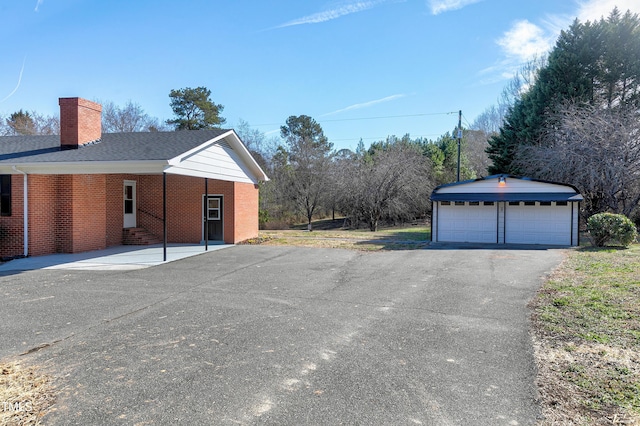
365, 104
19, 81
38, 4
593, 10
441, 6
525, 41
336, 12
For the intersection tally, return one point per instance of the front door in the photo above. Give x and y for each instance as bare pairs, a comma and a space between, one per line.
213, 216
129, 204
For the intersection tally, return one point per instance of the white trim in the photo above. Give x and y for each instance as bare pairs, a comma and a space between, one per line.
25, 210
133, 217
91, 167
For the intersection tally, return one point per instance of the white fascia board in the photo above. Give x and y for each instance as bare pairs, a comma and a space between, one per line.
90, 167
238, 147
176, 170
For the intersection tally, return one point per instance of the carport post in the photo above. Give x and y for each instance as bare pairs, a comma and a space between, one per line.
164, 216
206, 214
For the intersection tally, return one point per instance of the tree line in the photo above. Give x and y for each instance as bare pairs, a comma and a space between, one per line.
388, 182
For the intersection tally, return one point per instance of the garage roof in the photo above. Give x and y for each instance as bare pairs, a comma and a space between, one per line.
506, 188
514, 196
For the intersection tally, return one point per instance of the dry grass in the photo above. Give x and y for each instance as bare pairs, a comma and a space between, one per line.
408, 238
587, 339
26, 395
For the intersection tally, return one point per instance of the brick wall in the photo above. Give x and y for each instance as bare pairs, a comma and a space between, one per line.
44, 198
88, 204
11, 227
246, 211
74, 213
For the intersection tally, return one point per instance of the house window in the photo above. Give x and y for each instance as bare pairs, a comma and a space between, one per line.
561, 203
514, 203
529, 203
445, 203
474, 203
488, 203
545, 203
5, 195
459, 203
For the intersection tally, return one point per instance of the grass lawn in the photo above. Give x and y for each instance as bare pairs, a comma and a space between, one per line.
409, 237
587, 338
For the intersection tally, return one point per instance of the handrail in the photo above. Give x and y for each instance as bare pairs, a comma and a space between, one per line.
150, 214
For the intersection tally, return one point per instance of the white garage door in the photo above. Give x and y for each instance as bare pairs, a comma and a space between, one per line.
538, 223
467, 222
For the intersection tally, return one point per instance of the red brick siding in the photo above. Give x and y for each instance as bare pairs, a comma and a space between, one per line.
73, 213
246, 211
89, 208
44, 197
11, 227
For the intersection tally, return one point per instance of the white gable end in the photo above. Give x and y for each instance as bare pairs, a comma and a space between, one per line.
215, 160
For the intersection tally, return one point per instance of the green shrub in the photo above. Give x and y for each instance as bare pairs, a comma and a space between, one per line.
611, 228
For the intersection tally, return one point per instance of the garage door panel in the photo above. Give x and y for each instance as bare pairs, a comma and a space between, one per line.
538, 224
466, 223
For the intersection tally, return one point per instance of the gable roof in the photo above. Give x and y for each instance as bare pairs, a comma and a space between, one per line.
141, 152
515, 188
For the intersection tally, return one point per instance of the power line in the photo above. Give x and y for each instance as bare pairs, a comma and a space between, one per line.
369, 118
378, 138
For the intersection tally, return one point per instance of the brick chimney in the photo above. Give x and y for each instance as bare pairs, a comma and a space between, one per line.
80, 122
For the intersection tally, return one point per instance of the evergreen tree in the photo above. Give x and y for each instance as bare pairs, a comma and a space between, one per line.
593, 63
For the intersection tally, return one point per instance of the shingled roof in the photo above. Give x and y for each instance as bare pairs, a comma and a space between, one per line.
217, 154
140, 146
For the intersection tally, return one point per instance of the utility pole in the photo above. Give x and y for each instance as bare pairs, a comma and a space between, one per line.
459, 140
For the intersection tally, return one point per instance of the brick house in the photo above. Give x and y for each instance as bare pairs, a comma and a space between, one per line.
84, 190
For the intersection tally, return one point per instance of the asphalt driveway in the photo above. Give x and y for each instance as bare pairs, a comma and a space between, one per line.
283, 335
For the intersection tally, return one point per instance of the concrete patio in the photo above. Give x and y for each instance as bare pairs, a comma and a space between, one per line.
110, 259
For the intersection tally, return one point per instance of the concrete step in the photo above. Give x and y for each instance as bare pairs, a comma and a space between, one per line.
138, 237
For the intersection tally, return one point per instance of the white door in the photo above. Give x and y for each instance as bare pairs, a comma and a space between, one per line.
129, 204
468, 222
538, 223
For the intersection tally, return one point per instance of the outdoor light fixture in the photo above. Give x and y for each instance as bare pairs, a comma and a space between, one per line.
502, 180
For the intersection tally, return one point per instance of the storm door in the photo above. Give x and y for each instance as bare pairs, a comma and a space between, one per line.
213, 216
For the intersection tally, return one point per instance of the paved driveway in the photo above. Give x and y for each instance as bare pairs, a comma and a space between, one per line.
281, 335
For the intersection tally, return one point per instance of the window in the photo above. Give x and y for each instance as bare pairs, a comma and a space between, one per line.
514, 203
529, 203
561, 203
545, 203
488, 203
445, 203
5, 195
459, 203
474, 203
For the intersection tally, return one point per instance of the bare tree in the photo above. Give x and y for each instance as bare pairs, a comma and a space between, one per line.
598, 150
29, 123
309, 163
130, 118
392, 182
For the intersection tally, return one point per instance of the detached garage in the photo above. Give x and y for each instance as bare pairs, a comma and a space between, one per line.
504, 209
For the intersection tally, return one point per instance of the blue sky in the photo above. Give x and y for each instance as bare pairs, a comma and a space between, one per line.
362, 68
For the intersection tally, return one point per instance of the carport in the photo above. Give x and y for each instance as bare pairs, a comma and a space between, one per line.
505, 209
